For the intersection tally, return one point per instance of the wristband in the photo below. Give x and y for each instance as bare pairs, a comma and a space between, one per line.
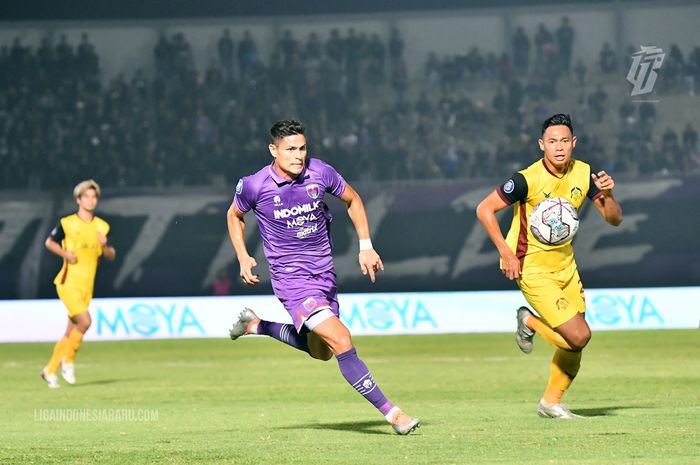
365, 244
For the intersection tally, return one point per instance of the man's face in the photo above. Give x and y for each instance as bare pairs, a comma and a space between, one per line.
290, 155
557, 143
88, 201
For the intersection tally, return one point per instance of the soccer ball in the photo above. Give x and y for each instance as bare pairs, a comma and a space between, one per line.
554, 221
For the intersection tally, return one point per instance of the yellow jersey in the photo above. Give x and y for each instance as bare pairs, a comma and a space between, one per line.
528, 187
80, 237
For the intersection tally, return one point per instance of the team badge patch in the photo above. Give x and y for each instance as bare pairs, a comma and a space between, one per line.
239, 186
310, 304
508, 186
277, 200
313, 190
576, 194
562, 304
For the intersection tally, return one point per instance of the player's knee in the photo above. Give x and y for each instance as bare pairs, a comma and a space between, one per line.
341, 343
580, 339
83, 326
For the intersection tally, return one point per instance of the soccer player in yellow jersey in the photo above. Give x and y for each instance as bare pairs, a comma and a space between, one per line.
80, 239
547, 274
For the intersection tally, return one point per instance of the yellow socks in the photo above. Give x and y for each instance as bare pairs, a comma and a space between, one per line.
547, 333
564, 367
58, 351
74, 340
565, 363
64, 349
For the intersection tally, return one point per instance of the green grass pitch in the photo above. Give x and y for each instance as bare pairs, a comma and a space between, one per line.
256, 401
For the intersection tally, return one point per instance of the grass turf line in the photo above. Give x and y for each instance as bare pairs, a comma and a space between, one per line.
256, 401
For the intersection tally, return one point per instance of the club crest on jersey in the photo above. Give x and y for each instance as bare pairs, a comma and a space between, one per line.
310, 304
562, 304
277, 200
313, 190
576, 194
239, 186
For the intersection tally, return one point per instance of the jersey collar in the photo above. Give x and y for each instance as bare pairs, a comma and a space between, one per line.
280, 180
556, 175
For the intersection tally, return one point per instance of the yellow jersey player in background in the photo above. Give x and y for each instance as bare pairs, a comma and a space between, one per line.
547, 275
80, 239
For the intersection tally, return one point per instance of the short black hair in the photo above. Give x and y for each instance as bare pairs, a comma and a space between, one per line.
557, 120
284, 128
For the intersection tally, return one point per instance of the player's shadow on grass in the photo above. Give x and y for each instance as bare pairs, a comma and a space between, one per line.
603, 411
106, 381
366, 427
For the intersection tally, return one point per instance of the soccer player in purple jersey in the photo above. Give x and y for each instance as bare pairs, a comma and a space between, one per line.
287, 199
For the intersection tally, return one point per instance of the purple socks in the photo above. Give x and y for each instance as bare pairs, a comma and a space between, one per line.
353, 369
285, 333
357, 374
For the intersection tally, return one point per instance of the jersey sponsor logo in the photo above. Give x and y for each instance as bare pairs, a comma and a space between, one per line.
239, 186
297, 210
313, 190
277, 201
303, 232
300, 220
508, 186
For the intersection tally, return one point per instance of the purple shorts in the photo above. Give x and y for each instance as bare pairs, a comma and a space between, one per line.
303, 294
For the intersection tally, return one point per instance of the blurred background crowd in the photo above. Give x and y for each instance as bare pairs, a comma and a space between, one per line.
473, 114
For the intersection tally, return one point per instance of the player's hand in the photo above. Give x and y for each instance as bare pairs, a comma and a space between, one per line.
603, 181
511, 266
70, 257
108, 252
247, 275
370, 263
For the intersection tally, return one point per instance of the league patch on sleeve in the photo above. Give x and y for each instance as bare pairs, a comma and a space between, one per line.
239, 186
508, 186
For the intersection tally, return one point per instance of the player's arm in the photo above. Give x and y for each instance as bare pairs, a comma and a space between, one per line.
369, 259
607, 206
108, 250
53, 244
486, 213
236, 232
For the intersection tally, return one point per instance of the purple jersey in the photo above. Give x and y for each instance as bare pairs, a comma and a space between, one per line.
292, 216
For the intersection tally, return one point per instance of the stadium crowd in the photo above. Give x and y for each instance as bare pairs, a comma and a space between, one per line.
469, 115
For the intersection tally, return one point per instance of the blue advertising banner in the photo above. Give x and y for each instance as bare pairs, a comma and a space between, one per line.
372, 314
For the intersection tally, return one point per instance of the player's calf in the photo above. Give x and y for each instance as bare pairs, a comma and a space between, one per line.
318, 349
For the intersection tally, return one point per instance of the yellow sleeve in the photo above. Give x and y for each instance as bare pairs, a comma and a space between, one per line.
102, 227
